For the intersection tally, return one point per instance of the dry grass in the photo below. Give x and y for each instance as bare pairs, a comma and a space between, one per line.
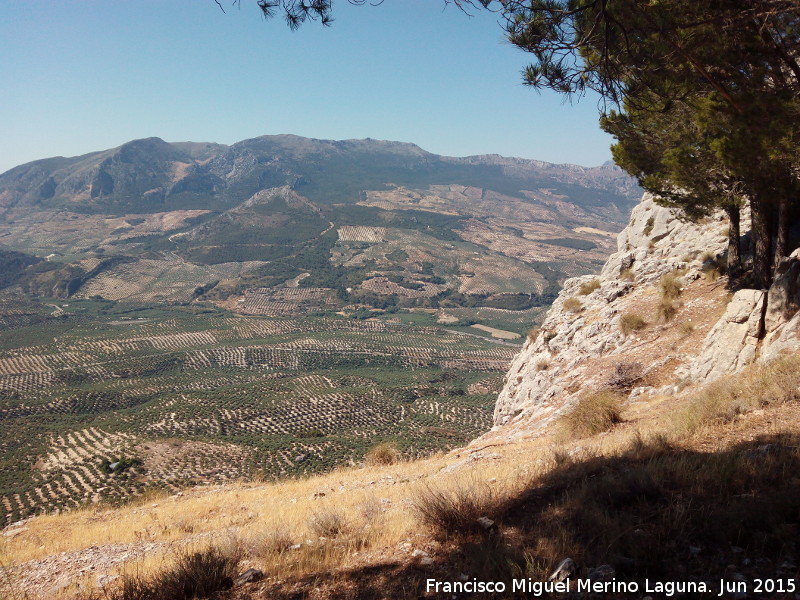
382, 454
616, 495
572, 305
450, 510
627, 275
725, 399
666, 310
329, 523
630, 322
199, 574
670, 286
714, 266
685, 329
588, 287
594, 413
542, 364
533, 334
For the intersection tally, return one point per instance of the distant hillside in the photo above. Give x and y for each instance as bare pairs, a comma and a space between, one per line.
383, 224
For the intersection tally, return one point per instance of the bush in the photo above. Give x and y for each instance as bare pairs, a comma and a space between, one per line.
670, 286
630, 322
665, 310
594, 413
626, 374
542, 364
382, 454
533, 334
648, 226
713, 266
195, 575
454, 510
588, 287
329, 524
572, 305
627, 275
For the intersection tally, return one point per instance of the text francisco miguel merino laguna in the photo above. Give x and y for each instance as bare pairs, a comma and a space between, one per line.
667, 588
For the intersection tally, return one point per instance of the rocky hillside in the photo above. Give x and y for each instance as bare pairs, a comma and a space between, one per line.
654, 321
690, 483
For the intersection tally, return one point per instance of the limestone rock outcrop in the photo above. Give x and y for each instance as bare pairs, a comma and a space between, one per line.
582, 343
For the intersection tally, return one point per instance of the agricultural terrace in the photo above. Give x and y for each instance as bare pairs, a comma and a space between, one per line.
111, 399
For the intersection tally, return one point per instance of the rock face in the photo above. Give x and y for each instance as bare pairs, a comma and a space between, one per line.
731, 345
581, 344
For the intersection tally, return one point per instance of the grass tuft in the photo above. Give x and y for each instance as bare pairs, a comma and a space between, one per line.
588, 287
382, 454
630, 322
666, 310
572, 305
670, 286
594, 413
194, 575
454, 510
329, 523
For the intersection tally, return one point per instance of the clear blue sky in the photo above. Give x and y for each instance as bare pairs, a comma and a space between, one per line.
79, 76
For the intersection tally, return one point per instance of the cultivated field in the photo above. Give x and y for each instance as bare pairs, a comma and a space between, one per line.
111, 399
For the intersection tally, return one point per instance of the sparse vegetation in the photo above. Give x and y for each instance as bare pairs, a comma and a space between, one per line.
648, 226
665, 309
670, 286
199, 574
588, 287
724, 400
454, 510
594, 413
713, 267
542, 364
329, 523
630, 322
686, 329
572, 305
382, 454
533, 334
627, 274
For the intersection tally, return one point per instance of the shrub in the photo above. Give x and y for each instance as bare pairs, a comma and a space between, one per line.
626, 374
630, 322
454, 510
572, 305
627, 274
533, 334
713, 266
648, 226
542, 364
382, 454
670, 286
685, 329
588, 287
665, 310
194, 575
594, 413
329, 523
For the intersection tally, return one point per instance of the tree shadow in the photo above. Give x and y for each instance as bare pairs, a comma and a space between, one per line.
652, 511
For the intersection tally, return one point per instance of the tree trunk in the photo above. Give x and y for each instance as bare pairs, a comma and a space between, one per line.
734, 256
762, 244
782, 231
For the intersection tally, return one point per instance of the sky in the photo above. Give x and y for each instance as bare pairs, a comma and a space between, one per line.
86, 75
